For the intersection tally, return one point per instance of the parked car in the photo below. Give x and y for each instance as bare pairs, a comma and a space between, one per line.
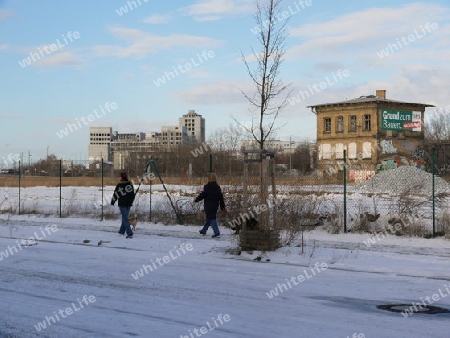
8, 171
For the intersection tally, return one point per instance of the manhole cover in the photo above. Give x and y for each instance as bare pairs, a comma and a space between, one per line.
411, 308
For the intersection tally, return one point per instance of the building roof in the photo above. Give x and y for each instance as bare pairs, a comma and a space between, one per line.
368, 99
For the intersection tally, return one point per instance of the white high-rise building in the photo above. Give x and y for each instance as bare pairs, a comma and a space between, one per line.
105, 143
100, 144
173, 135
195, 126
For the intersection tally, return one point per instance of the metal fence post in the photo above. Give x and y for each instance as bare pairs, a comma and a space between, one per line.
345, 191
60, 189
432, 190
19, 186
102, 188
150, 193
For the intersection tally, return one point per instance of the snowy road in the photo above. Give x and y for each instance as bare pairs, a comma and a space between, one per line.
194, 292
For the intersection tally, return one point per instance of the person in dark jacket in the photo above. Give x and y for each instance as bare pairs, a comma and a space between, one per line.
213, 199
124, 193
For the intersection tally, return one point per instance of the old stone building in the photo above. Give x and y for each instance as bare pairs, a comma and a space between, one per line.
376, 133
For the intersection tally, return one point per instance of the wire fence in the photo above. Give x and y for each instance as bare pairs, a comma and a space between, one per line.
402, 200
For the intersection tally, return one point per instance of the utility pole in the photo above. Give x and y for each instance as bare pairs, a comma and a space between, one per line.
290, 153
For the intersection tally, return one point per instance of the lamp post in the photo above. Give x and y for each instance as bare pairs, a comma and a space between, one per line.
290, 154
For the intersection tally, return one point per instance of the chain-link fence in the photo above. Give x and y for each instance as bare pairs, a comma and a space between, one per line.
398, 199
401, 201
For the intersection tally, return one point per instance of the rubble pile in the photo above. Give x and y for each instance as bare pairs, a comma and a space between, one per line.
404, 179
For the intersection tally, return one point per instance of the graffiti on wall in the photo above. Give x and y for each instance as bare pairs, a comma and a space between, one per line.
418, 153
387, 147
397, 161
409, 155
360, 175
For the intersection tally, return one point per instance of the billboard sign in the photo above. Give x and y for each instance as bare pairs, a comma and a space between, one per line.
401, 120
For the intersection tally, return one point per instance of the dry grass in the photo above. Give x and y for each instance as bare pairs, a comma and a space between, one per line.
47, 181
38, 181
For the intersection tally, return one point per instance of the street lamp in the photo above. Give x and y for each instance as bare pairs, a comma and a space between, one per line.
290, 153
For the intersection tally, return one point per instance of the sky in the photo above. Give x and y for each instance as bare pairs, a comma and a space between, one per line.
106, 63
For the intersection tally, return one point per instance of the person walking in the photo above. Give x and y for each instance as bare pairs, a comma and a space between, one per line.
213, 199
124, 194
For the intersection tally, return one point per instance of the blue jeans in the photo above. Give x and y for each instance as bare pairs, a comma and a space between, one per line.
213, 223
125, 226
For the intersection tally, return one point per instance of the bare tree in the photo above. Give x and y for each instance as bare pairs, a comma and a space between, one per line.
437, 128
226, 139
271, 94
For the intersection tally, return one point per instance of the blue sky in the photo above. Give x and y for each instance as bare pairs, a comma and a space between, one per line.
114, 58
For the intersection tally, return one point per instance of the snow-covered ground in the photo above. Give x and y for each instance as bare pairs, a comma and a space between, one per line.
169, 282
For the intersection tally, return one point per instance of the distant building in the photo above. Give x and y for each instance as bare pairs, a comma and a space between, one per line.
174, 135
112, 146
377, 134
100, 144
281, 147
127, 142
195, 126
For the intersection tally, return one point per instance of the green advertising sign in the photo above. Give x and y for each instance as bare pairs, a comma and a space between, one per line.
401, 120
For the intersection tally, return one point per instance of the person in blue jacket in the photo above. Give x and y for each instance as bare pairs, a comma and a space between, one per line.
124, 193
213, 199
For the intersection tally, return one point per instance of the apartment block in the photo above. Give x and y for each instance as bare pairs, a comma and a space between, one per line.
100, 144
195, 126
112, 146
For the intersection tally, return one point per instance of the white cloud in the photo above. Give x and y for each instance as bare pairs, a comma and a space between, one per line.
11, 117
140, 44
370, 30
197, 74
4, 47
414, 84
419, 84
209, 10
59, 59
158, 19
328, 67
148, 70
213, 93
